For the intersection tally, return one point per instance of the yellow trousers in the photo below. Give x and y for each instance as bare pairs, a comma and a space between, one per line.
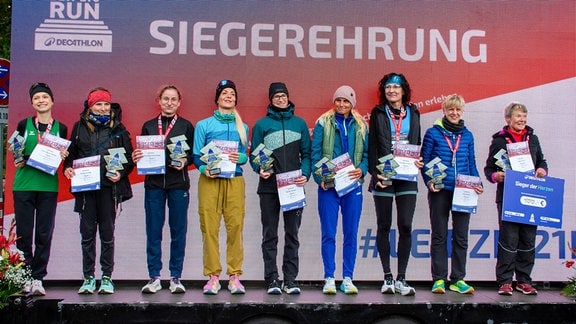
216, 198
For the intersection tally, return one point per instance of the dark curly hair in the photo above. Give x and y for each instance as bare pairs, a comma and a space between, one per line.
405, 86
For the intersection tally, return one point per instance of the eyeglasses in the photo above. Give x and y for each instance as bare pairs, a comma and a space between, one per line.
280, 96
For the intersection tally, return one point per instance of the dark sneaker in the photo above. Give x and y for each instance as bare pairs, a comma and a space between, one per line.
526, 289
291, 288
274, 288
505, 289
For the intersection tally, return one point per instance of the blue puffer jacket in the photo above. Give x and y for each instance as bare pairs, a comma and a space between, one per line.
435, 145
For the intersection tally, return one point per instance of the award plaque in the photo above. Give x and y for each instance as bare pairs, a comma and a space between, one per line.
212, 161
502, 160
177, 149
435, 170
263, 157
17, 147
325, 169
387, 169
115, 161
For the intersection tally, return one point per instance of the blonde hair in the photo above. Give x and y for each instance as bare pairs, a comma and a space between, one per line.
240, 128
453, 100
357, 118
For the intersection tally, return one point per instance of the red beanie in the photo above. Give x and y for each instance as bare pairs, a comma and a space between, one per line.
98, 95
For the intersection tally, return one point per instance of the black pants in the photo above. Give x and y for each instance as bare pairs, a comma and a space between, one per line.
98, 213
440, 204
405, 205
35, 211
270, 216
516, 251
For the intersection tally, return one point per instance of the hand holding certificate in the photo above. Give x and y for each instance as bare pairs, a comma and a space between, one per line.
290, 194
86, 174
216, 156
325, 169
520, 158
17, 147
465, 197
435, 170
46, 155
263, 157
153, 159
343, 183
405, 156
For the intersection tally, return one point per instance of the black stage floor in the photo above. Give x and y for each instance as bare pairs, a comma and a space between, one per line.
63, 305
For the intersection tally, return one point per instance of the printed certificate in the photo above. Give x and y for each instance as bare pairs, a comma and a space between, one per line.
342, 165
227, 168
291, 195
520, 158
405, 155
153, 159
465, 199
46, 155
86, 174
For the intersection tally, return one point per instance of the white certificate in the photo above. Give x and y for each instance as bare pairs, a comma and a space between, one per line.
86, 174
520, 158
465, 198
46, 155
405, 155
343, 184
227, 167
291, 195
153, 159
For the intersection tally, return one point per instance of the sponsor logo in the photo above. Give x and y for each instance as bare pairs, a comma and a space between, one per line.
73, 26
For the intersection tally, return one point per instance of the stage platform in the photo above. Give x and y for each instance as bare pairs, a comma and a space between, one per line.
128, 305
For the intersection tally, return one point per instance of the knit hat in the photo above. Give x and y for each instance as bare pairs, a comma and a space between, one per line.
223, 85
277, 87
345, 92
40, 87
98, 95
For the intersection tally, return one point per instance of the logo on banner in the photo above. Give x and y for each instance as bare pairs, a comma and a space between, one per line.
73, 26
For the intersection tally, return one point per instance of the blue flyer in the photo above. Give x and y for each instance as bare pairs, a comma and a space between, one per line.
531, 200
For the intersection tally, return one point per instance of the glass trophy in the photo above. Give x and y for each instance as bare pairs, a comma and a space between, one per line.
17, 147
263, 157
502, 160
178, 149
115, 161
211, 156
325, 169
387, 169
435, 170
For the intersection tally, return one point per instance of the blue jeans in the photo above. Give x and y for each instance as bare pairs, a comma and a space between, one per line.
155, 206
351, 207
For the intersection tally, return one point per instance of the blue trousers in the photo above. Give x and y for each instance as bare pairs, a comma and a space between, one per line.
328, 208
155, 205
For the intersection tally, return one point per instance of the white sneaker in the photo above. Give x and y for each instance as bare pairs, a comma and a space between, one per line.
37, 289
388, 286
27, 287
176, 287
348, 287
403, 288
329, 286
152, 286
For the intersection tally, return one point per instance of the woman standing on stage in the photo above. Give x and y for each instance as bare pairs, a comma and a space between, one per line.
451, 142
393, 120
35, 192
